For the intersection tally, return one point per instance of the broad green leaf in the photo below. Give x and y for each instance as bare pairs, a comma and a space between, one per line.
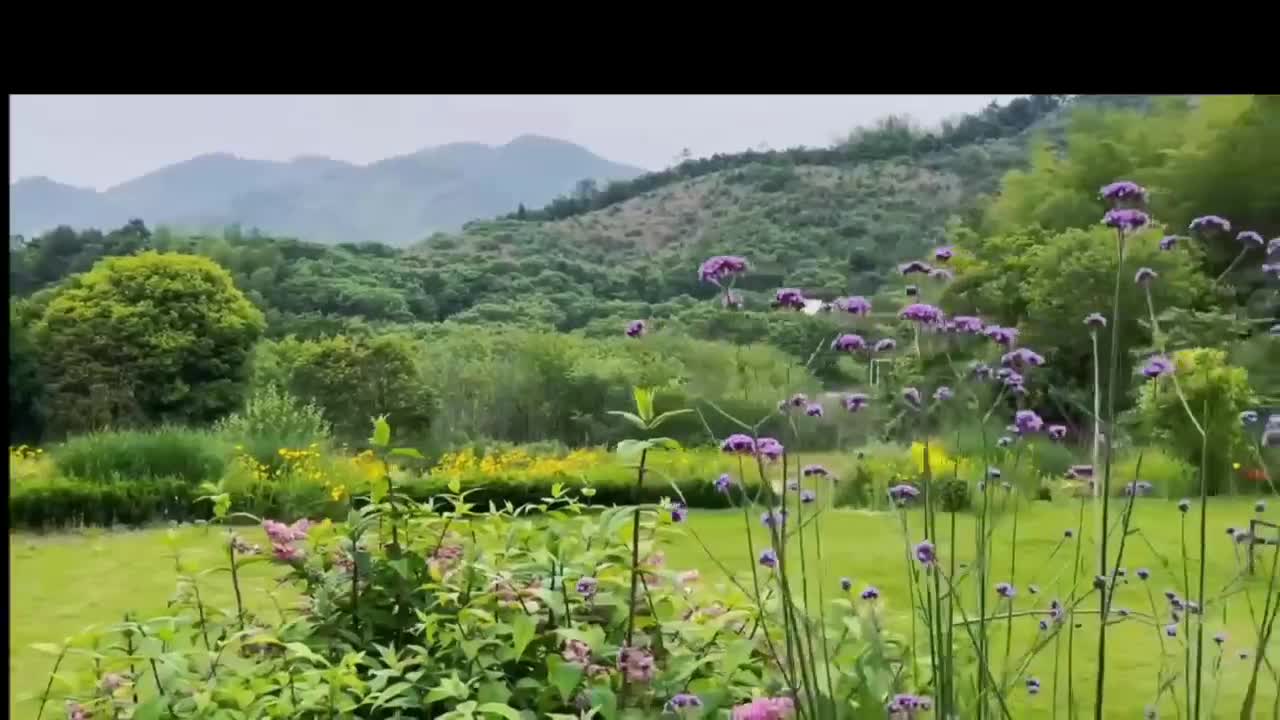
604, 699
221, 504
502, 709
630, 417
408, 452
47, 648
665, 443
381, 432
522, 631
653, 424
455, 486
629, 449
379, 487
152, 709
644, 403
564, 675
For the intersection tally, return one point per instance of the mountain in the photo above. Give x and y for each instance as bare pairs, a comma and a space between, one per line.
396, 201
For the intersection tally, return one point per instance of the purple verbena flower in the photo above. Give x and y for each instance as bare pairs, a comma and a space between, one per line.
925, 553
1145, 275
789, 298
1095, 320
846, 584
871, 592
911, 396
811, 470
967, 324
1022, 358
1004, 441
717, 268
768, 448
635, 328
1171, 630
793, 484
1249, 237
1001, 335
813, 410
1123, 191
903, 493
942, 394
855, 305
1033, 686
1156, 366
1184, 505
799, 400
1125, 219
739, 444
1273, 246
1168, 241
723, 483
774, 519
1143, 573
919, 312
849, 343
587, 586
679, 512
943, 254
1005, 590
636, 664
807, 496
1270, 269
769, 558
1210, 222
912, 291
1220, 638
915, 266
885, 345
683, 701
1027, 421
1057, 432
981, 370
853, 402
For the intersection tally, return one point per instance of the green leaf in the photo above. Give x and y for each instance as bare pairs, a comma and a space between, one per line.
522, 632
381, 432
629, 417
455, 486
564, 675
379, 488
629, 449
653, 424
665, 443
504, 710
221, 504
47, 648
603, 698
152, 709
408, 452
644, 402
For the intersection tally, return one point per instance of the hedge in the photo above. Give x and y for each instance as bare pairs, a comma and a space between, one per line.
62, 502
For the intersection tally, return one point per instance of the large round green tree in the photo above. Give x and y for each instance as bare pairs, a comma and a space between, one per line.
146, 338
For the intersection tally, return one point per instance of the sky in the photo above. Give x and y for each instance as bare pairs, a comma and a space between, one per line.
101, 140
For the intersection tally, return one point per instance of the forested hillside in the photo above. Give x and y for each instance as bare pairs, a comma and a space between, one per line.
1014, 188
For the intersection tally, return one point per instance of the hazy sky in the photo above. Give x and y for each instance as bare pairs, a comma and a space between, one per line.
100, 140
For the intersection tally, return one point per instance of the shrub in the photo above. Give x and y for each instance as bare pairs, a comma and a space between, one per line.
954, 495
64, 502
273, 418
1170, 476
193, 456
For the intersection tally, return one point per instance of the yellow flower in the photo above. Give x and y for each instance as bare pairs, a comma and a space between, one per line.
1235, 466
338, 492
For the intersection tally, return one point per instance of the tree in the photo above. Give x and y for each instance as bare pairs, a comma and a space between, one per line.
144, 339
24, 381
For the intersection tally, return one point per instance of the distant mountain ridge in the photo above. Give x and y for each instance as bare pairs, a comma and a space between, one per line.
396, 201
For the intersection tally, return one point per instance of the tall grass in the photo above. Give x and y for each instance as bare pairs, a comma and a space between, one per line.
193, 456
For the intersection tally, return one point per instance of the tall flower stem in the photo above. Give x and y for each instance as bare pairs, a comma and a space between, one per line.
1204, 559
1113, 370
235, 582
635, 548
1097, 403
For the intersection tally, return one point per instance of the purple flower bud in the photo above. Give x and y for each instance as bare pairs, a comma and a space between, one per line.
1004, 441
846, 584
853, 402
1249, 237
902, 493
1125, 219
885, 345
683, 701
799, 400
915, 266
789, 298
967, 324
587, 586
811, 470
1210, 222
1184, 505
1143, 573
855, 305
870, 593
1033, 686
774, 519
813, 410
1156, 366
635, 329
912, 291
1057, 432
723, 483
739, 444
918, 312
679, 512
1027, 421
1171, 630
1270, 269
942, 394
1145, 275
1068, 534
1001, 335
793, 484
911, 396
943, 254
715, 269
768, 448
1273, 246
1123, 191
1095, 320
769, 558
1220, 638
1005, 590
849, 343
807, 496
1167, 242
925, 553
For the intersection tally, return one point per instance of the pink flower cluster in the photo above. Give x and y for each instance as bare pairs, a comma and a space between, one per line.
284, 536
781, 708
636, 664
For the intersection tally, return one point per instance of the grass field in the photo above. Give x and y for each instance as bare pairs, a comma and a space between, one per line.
62, 583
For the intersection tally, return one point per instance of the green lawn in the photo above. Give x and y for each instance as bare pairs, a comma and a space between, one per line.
61, 584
